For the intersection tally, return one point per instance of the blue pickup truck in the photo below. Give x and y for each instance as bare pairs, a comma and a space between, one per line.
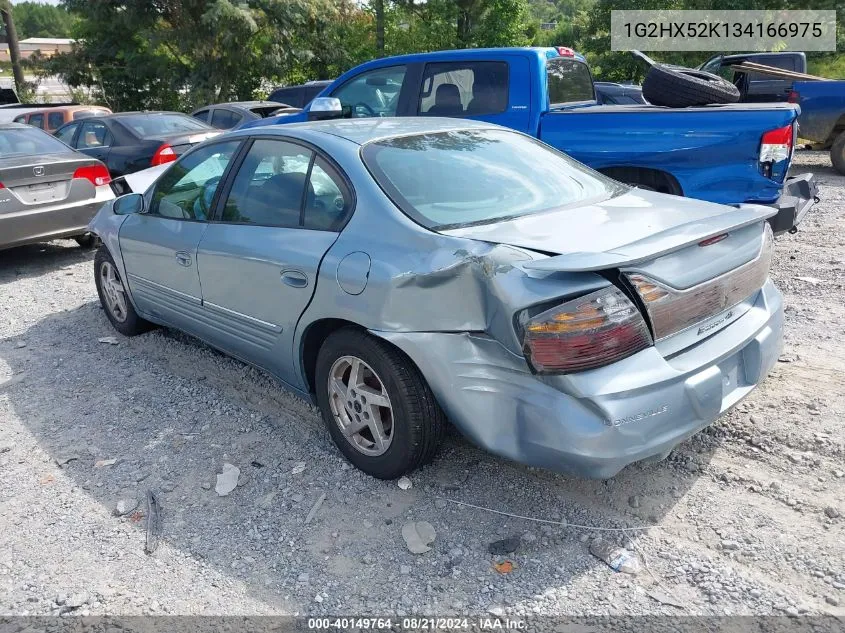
822, 103
731, 154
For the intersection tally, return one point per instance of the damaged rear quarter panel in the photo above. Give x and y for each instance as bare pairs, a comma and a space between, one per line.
422, 281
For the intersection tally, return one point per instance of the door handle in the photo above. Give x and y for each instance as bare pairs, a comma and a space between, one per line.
183, 258
294, 278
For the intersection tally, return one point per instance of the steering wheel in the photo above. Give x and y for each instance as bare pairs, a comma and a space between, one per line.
202, 205
361, 104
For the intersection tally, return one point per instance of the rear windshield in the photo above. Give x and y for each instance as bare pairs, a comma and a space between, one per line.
151, 125
569, 81
265, 111
27, 142
462, 177
85, 114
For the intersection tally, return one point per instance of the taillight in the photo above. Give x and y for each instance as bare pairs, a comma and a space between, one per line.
97, 174
594, 330
794, 96
2, 186
164, 154
672, 310
565, 51
776, 152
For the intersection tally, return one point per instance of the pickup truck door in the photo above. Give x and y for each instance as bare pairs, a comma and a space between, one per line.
497, 91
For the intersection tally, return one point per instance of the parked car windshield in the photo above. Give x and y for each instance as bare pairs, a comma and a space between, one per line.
456, 178
151, 125
28, 141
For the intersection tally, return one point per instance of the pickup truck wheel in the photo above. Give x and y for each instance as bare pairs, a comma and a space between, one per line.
676, 87
837, 153
376, 404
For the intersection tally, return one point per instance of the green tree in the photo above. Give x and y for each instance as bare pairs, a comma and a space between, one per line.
34, 19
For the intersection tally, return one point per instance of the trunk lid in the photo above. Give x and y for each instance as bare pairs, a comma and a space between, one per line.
43, 179
691, 262
181, 143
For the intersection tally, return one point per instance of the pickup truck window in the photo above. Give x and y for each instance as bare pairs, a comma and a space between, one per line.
475, 176
458, 88
569, 81
374, 93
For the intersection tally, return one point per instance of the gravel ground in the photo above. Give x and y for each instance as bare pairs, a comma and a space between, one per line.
749, 512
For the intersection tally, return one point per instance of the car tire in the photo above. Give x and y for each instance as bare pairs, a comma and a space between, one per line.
89, 240
116, 303
676, 87
412, 423
837, 153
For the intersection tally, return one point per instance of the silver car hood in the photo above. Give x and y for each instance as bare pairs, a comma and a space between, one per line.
634, 227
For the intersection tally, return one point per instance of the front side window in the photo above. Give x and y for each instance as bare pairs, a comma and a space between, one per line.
569, 81
475, 176
36, 120
93, 134
373, 93
456, 89
187, 190
202, 115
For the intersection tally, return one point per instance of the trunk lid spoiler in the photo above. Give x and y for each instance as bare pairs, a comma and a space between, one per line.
654, 245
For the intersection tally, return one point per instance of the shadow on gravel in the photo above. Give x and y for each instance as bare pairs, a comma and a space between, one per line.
171, 412
36, 259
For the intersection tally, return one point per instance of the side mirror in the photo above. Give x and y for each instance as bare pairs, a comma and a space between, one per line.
129, 204
325, 108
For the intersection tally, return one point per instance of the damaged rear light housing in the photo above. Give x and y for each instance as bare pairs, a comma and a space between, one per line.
672, 310
588, 332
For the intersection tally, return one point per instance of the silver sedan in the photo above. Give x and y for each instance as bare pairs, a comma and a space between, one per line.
47, 189
404, 272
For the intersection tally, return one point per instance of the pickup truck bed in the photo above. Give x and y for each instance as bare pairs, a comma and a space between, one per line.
682, 142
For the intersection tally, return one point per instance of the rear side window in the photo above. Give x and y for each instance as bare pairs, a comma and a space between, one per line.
66, 133
94, 134
455, 89
270, 184
569, 81
285, 185
225, 119
55, 120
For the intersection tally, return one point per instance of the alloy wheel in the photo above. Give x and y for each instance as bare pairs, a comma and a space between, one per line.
360, 405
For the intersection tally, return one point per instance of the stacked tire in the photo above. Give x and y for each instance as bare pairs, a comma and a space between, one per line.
677, 87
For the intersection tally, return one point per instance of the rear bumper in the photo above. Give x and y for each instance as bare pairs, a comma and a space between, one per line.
799, 195
594, 423
44, 223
